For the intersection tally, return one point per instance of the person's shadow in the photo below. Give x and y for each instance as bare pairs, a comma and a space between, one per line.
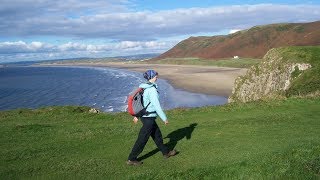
174, 137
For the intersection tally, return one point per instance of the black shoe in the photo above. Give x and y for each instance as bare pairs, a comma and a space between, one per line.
170, 153
134, 163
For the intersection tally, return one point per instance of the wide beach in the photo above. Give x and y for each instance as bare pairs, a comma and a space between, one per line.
200, 79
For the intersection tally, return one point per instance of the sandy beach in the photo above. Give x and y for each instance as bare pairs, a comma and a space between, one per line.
200, 79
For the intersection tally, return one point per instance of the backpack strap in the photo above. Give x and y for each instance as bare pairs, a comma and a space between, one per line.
153, 85
147, 113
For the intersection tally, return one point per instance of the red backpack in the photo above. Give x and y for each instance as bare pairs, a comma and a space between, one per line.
135, 104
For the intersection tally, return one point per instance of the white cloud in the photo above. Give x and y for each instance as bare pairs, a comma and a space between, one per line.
142, 45
129, 31
234, 31
36, 45
21, 50
73, 7
21, 46
96, 20
70, 46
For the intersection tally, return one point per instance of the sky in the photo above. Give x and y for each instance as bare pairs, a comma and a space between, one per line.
44, 29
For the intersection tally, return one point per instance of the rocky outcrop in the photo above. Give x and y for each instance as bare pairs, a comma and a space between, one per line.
94, 111
269, 79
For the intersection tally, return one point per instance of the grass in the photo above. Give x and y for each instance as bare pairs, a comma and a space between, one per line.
276, 64
236, 63
259, 140
309, 80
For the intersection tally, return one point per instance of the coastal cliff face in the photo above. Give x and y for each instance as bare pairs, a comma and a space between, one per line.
276, 75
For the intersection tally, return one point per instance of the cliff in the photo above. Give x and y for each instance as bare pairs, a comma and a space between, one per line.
283, 72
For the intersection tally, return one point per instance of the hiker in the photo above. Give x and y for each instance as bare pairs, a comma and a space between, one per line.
150, 127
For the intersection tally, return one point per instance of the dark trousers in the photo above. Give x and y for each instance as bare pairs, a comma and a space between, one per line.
149, 128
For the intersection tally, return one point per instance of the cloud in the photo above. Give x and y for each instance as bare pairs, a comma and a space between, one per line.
20, 50
39, 47
142, 45
32, 8
128, 31
234, 31
115, 21
22, 47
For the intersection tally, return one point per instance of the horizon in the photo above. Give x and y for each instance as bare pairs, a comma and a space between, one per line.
33, 31
127, 58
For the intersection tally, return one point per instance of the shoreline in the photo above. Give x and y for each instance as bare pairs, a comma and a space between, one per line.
209, 80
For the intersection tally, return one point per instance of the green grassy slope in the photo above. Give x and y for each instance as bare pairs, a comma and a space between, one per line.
278, 75
276, 139
236, 63
309, 80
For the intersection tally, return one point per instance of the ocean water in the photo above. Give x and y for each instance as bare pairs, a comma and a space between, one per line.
104, 88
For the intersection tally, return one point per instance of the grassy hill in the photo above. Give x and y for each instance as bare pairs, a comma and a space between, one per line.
308, 81
226, 62
259, 140
286, 71
250, 43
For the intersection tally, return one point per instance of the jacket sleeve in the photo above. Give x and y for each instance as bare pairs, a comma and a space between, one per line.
156, 104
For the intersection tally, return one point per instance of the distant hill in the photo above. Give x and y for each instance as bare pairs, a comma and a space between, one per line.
250, 43
135, 57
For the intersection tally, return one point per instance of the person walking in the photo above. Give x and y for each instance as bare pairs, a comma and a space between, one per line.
150, 127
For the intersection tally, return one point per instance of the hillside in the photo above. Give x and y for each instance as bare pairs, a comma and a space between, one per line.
260, 140
286, 71
251, 43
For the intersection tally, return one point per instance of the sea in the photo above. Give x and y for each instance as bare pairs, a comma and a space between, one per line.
106, 89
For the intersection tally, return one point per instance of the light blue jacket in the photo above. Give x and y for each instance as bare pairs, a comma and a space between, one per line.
151, 94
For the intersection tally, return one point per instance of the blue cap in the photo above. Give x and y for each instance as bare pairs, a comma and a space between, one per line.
150, 74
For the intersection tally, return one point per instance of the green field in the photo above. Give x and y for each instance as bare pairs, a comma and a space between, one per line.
261, 140
236, 63
308, 81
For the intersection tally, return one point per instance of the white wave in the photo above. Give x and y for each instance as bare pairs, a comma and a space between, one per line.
124, 99
124, 108
121, 99
109, 109
123, 73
